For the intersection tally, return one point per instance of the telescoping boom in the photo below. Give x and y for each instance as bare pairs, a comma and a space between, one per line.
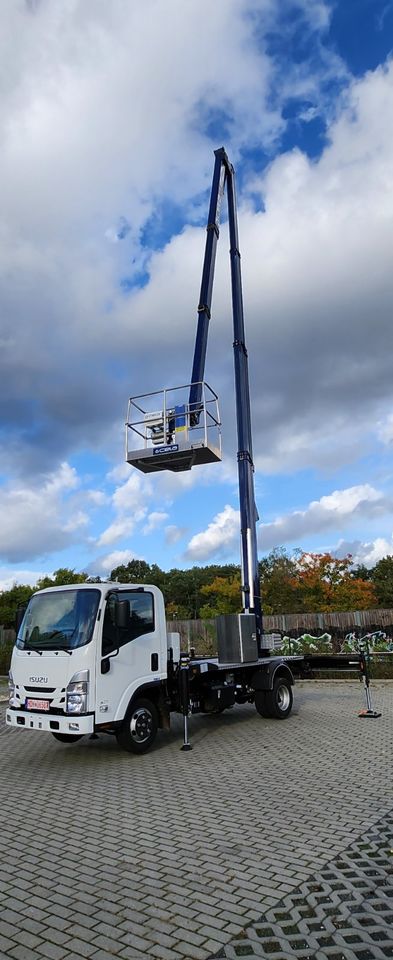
170, 434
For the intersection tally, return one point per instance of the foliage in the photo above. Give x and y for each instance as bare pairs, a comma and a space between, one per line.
323, 582
277, 573
382, 578
301, 583
61, 578
10, 600
224, 594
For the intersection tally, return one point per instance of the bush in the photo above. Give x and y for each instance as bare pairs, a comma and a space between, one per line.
5, 656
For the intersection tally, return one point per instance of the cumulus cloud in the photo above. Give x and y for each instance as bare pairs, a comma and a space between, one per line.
367, 553
336, 511
19, 575
218, 540
173, 534
154, 520
332, 512
103, 566
36, 520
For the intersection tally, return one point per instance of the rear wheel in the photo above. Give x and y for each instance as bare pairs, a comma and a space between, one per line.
139, 728
67, 737
277, 702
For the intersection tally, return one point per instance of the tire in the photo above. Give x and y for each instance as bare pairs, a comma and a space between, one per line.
139, 728
67, 737
277, 702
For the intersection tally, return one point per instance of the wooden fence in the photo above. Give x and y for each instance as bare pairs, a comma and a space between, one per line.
201, 634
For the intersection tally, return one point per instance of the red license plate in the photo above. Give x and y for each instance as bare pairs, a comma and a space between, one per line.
37, 704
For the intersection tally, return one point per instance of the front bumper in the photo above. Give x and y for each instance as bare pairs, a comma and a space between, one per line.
46, 721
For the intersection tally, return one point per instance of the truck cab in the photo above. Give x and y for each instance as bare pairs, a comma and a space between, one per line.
85, 653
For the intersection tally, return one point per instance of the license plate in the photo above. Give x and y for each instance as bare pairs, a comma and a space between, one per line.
37, 704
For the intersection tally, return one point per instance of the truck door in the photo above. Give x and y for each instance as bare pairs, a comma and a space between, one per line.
130, 655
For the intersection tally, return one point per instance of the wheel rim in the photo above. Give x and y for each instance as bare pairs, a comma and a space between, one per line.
283, 697
141, 725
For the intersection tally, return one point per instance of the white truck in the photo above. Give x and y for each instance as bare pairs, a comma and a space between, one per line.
98, 658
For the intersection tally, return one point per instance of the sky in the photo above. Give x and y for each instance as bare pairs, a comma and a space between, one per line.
109, 117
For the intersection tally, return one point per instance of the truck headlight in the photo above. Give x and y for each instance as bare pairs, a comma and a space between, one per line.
11, 690
76, 693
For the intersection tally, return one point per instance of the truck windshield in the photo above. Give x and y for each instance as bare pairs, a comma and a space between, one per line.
61, 620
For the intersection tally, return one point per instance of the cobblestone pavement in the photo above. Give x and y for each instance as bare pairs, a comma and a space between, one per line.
193, 855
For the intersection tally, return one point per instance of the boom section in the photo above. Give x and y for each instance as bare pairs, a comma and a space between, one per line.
205, 296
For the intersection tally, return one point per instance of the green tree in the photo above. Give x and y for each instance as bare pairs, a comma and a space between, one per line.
277, 572
135, 571
382, 578
224, 595
10, 600
61, 578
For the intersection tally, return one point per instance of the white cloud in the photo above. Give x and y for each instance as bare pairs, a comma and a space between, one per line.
335, 511
338, 510
154, 520
385, 430
97, 497
218, 540
19, 575
37, 520
173, 534
367, 553
103, 566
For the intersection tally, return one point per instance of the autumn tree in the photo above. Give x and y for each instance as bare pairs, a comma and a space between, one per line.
322, 582
224, 595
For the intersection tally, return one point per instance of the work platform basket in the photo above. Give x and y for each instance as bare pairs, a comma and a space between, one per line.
164, 431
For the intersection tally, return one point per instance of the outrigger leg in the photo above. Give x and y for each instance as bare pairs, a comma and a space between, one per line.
369, 711
185, 703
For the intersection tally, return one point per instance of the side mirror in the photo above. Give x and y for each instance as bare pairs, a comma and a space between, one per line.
122, 613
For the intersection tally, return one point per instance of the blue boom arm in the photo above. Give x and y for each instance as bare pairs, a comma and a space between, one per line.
224, 176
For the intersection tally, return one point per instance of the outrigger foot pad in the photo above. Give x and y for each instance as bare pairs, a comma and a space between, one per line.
373, 714
186, 746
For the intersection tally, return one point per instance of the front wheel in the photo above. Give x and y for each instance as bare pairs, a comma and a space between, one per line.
139, 727
67, 737
277, 702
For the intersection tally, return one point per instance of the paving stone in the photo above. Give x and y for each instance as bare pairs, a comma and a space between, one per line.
209, 841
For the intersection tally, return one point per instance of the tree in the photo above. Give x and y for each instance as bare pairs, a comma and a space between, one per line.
382, 579
323, 582
61, 578
136, 571
277, 572
10, 600
225, 596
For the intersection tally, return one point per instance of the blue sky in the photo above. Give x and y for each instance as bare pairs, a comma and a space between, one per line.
110, 116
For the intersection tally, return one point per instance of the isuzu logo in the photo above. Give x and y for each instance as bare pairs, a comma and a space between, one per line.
38, 679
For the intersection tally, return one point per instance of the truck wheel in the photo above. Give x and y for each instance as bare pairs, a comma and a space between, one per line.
67, 737
139, 727
276, 702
